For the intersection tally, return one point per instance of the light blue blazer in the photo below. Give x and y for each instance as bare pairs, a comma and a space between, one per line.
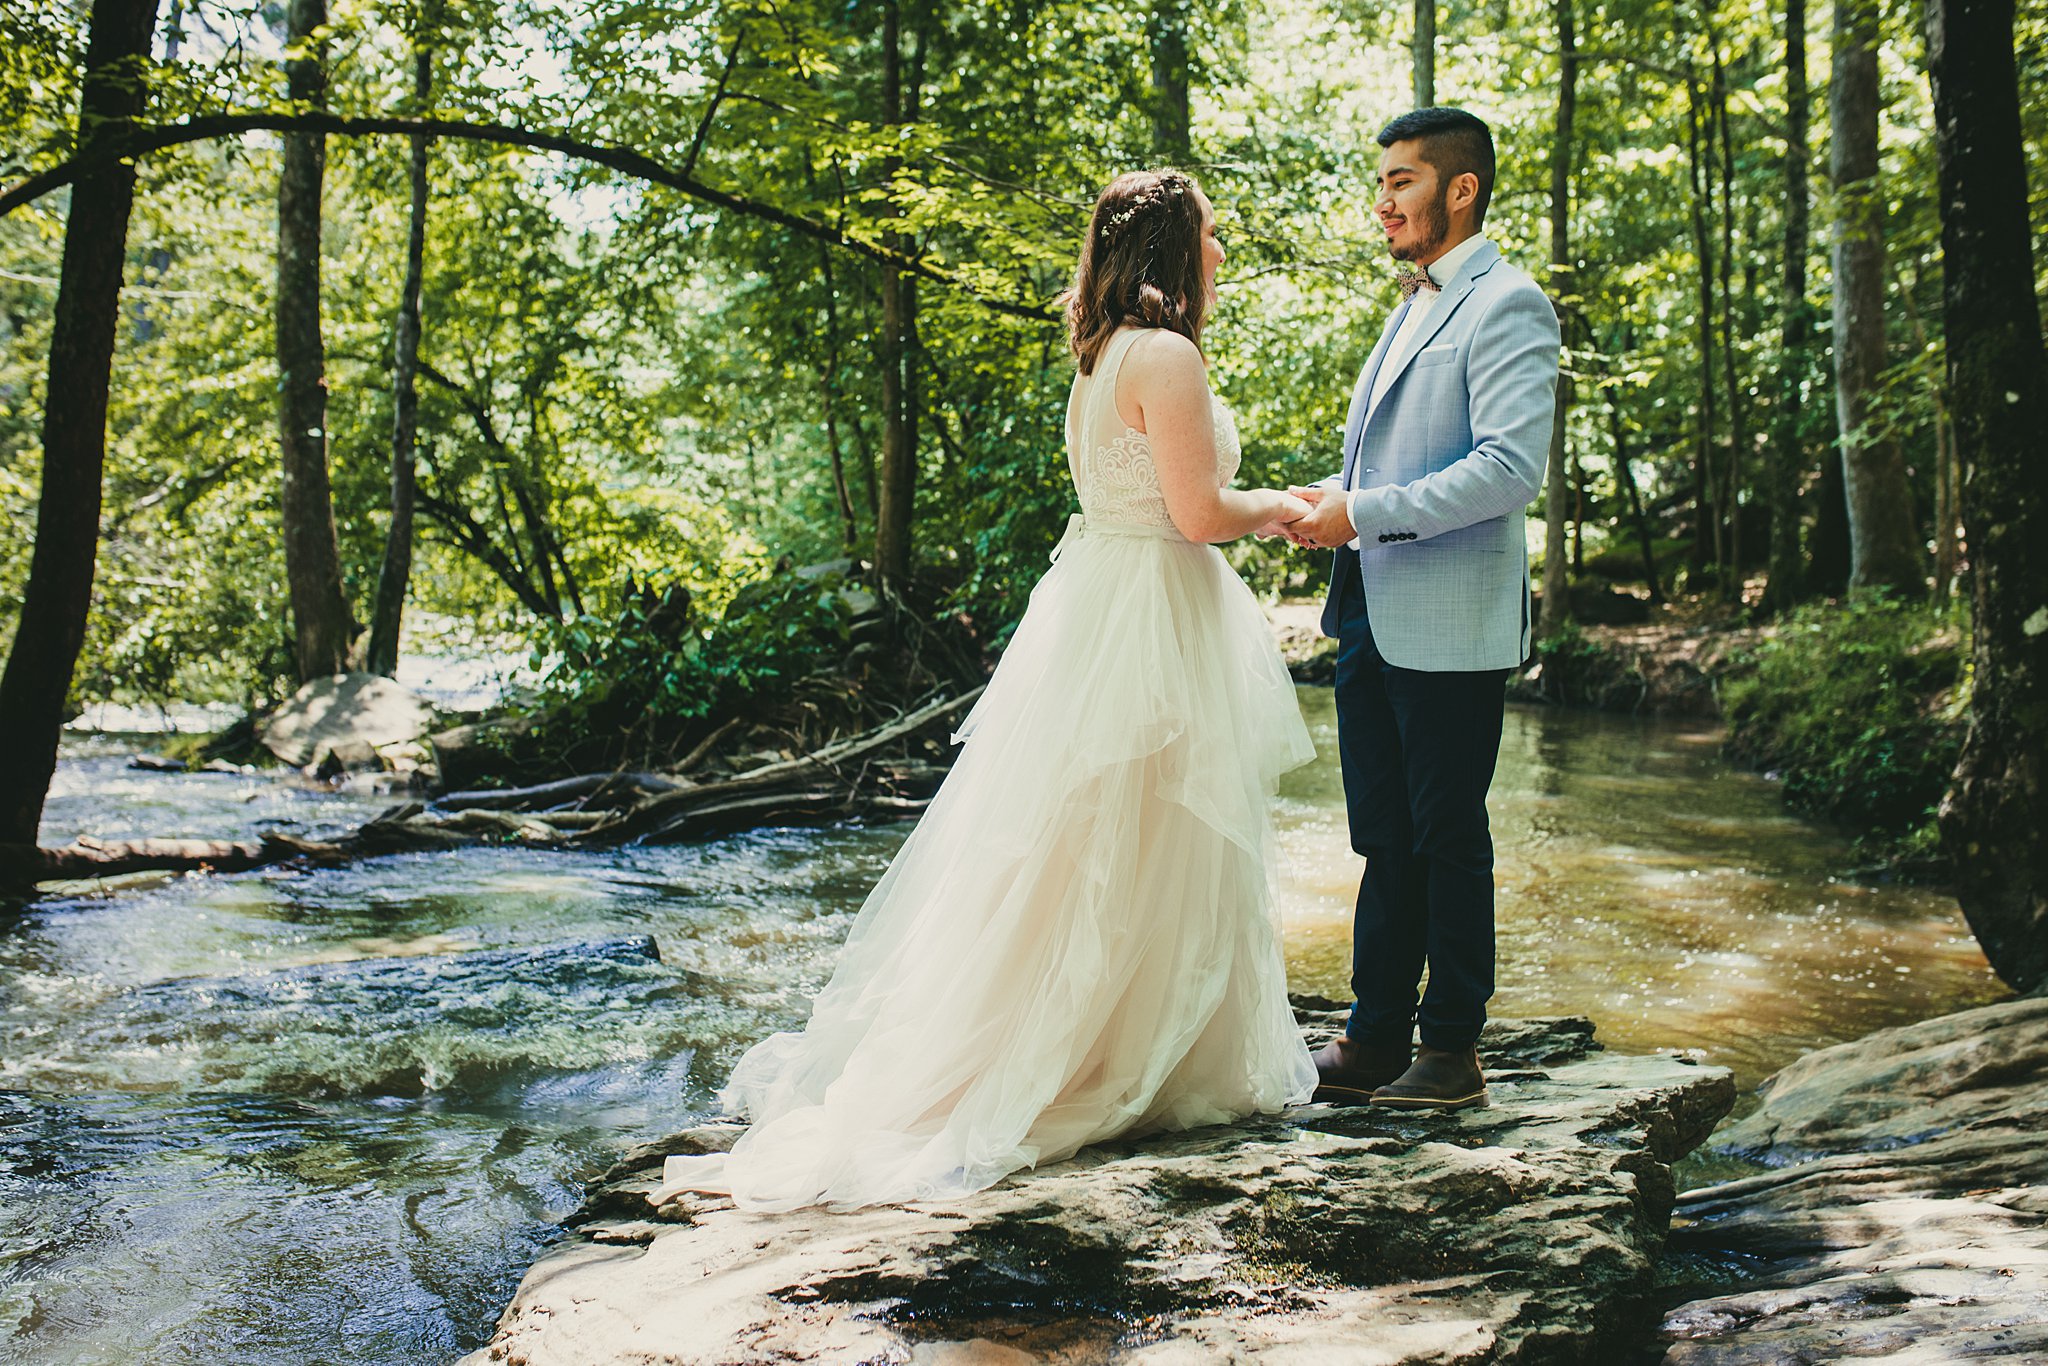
1453, 454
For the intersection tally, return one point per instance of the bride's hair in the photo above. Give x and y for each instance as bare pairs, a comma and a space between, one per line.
1142, 263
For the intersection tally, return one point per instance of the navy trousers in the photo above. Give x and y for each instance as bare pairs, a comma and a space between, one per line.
1418, 751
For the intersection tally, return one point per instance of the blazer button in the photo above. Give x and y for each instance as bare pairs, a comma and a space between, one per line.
1384, 538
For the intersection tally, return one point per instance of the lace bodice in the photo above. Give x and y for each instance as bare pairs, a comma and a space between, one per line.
1111, 461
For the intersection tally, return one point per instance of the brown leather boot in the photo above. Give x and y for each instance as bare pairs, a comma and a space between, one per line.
1348, 1070
1441, 1079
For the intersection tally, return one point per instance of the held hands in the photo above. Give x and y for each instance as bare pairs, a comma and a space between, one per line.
1288, 508
1326, 525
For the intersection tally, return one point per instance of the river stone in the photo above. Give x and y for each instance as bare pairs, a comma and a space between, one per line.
341, 710
1907, 1218
1527, 1232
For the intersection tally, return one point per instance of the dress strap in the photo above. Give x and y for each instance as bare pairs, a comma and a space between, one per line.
1107, 367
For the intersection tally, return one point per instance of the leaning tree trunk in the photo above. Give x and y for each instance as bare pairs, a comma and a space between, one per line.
1788, 451
51, 630
312, 559
1994, 816
1557, 609
388, 612
1423, 53
1883, 545
1167, 35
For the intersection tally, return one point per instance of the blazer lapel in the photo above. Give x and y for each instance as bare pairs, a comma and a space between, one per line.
1455, 293
1361, 394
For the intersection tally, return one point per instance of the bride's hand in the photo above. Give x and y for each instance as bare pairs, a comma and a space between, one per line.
1286, 508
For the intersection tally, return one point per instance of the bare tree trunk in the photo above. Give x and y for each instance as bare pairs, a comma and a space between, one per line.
1557, 609
1706, 518
1167, 35
1788, 451
1947, 549
58, 595
898, 350
1624, 471
1730, 583
320, 613
1883, 545
828, 390
1993, 818
387, 613
897, 474
1424, 53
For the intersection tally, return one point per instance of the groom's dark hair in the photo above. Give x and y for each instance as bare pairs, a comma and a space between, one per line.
1454, 142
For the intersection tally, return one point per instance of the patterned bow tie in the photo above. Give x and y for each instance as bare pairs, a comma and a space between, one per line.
1413, 279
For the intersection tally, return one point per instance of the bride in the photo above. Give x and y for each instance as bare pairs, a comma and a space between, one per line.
1078, 939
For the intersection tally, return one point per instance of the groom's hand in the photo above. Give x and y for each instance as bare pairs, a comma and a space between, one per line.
1328, 524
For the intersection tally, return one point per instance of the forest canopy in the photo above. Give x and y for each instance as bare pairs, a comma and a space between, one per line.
622, 383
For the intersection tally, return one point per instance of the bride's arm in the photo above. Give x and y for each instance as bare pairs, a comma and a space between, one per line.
1164, 378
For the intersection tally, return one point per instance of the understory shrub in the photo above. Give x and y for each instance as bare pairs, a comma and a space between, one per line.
1861, 706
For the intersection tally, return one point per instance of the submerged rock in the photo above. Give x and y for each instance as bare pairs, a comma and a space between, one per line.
1907, 1219
1525, 1232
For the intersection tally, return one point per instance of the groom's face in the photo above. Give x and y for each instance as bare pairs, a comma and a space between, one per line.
1413, 204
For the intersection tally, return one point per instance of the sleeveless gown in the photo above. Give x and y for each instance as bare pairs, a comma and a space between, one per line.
1078, 941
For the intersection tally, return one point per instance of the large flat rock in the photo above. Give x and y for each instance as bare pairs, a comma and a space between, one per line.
1526, 1232
1907, 1218
343, 711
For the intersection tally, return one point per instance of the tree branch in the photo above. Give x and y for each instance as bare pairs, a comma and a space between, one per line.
621, 159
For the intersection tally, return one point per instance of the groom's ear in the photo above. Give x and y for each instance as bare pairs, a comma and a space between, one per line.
1464, 192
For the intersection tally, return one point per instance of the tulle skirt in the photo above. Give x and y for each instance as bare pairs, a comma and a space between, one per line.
1078, 940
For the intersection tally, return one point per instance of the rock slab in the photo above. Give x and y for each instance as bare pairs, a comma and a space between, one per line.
346, 715
1527, 1232
1906, 1220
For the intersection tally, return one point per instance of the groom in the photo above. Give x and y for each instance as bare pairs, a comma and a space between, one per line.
1446, 442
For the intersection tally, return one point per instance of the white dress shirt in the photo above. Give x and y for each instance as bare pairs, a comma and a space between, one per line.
1442, 271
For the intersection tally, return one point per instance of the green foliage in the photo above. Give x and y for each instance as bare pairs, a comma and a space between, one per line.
624, 382
1861, 706
648, 667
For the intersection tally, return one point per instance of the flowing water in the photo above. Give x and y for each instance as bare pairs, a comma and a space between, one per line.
291, 1117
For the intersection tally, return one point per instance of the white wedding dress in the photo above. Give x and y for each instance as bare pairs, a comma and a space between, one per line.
1078, 940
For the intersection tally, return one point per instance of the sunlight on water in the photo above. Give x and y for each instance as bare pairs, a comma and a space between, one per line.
1643, 882
331, 1116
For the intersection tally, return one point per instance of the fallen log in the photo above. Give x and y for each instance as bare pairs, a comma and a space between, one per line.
86, 857
587, 786
843, 781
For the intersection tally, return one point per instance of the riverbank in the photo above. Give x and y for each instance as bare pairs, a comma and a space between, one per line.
1858, 708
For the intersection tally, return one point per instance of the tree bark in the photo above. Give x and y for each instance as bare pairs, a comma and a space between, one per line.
1995, 813
1788, 452
321, 621
387, 613
1557, 609
1883, 545
1730, 582
1423, 54
898, 475
1167, 36
1706, 518
1624, 471
58, 594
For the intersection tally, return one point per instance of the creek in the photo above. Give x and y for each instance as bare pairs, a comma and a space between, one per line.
295, 1116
